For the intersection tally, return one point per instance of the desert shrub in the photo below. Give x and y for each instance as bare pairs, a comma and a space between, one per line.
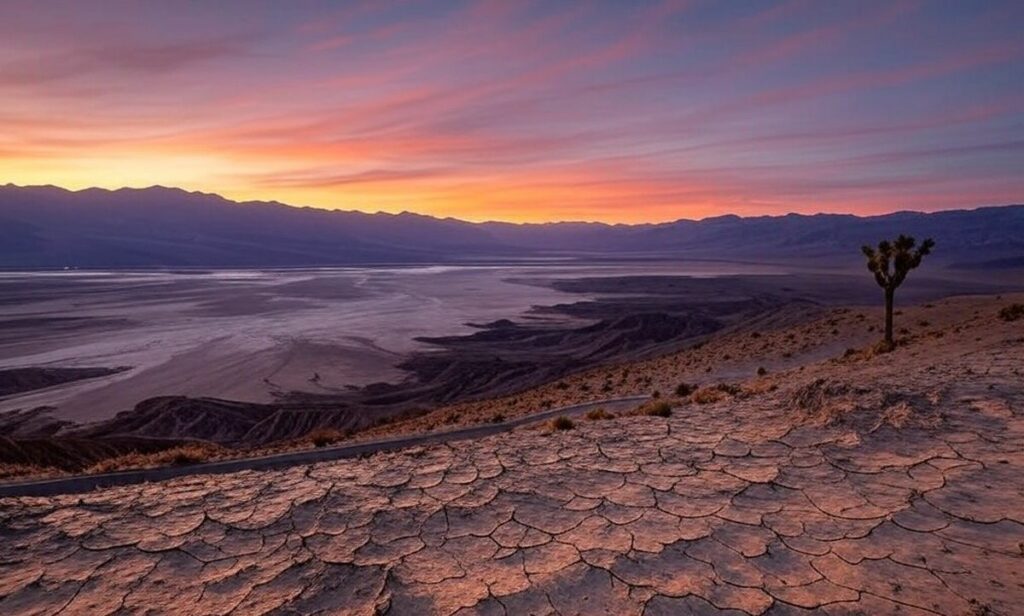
657, 409
562, 423
181, 456
322, 437
755, 335
561, 385
27, 470
189, 453
1012, 312
685, 389
599, 414
655, 394
707, 395
497, 418
761, 371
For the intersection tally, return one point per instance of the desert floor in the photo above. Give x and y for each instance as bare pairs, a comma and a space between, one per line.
853, 483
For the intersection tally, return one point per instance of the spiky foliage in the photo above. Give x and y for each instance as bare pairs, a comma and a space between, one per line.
890, 263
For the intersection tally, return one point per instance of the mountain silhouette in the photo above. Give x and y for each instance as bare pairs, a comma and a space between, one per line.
50, 227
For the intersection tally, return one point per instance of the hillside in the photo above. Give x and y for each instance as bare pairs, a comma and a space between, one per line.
855, 483
49, 227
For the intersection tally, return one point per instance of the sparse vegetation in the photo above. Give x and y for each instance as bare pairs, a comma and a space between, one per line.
322, 437
685, 389
715, 393
190, 453
761, 371
1012, 312
660, 408
497, 418
599, 414
890, 263
562, 423
707, 395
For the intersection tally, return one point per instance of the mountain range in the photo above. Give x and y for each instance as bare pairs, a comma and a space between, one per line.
51, 227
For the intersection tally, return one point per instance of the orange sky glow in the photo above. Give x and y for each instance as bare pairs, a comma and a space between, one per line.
525, 112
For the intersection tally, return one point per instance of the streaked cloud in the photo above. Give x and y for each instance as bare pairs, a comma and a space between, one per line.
521, 110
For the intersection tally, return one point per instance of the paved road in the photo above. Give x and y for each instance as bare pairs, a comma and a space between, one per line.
86, 483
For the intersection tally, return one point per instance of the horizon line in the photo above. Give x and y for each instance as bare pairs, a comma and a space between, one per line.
496, 221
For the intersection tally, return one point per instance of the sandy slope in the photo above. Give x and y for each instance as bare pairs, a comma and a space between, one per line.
888, 484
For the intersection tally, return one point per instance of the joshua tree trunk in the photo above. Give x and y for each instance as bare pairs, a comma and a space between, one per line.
889, 293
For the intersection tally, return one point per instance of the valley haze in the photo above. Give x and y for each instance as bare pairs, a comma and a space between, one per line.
50, 227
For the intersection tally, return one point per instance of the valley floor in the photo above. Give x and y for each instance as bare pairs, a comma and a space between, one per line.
850, 483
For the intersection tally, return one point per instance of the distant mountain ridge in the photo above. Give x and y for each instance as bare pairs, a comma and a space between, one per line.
50, 227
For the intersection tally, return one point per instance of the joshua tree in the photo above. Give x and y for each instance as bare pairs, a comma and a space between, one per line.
890, 263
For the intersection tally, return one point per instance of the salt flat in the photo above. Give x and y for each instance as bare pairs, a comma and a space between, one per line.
237, 334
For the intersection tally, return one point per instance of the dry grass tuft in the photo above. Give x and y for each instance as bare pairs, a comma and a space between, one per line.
659, 408
1012, 312
562, 423
599, 414
707, 395
191, 453
23, 471
322, 437
685, 389
715, 393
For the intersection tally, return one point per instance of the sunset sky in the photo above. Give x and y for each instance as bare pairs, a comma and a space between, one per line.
523, 111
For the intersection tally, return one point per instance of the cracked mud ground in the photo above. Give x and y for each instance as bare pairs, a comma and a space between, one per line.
906, 496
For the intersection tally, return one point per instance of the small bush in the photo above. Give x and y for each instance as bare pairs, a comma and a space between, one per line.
188, 455
599, 414
657, 409
1012, 312
761, 371
728, 388
706, 395
497, 418
322, 437
562, 423
685, 389
656, 394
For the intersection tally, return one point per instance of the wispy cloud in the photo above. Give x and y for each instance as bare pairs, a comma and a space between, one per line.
525, 111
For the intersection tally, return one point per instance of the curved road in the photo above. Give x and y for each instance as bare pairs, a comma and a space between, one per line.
85, 483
